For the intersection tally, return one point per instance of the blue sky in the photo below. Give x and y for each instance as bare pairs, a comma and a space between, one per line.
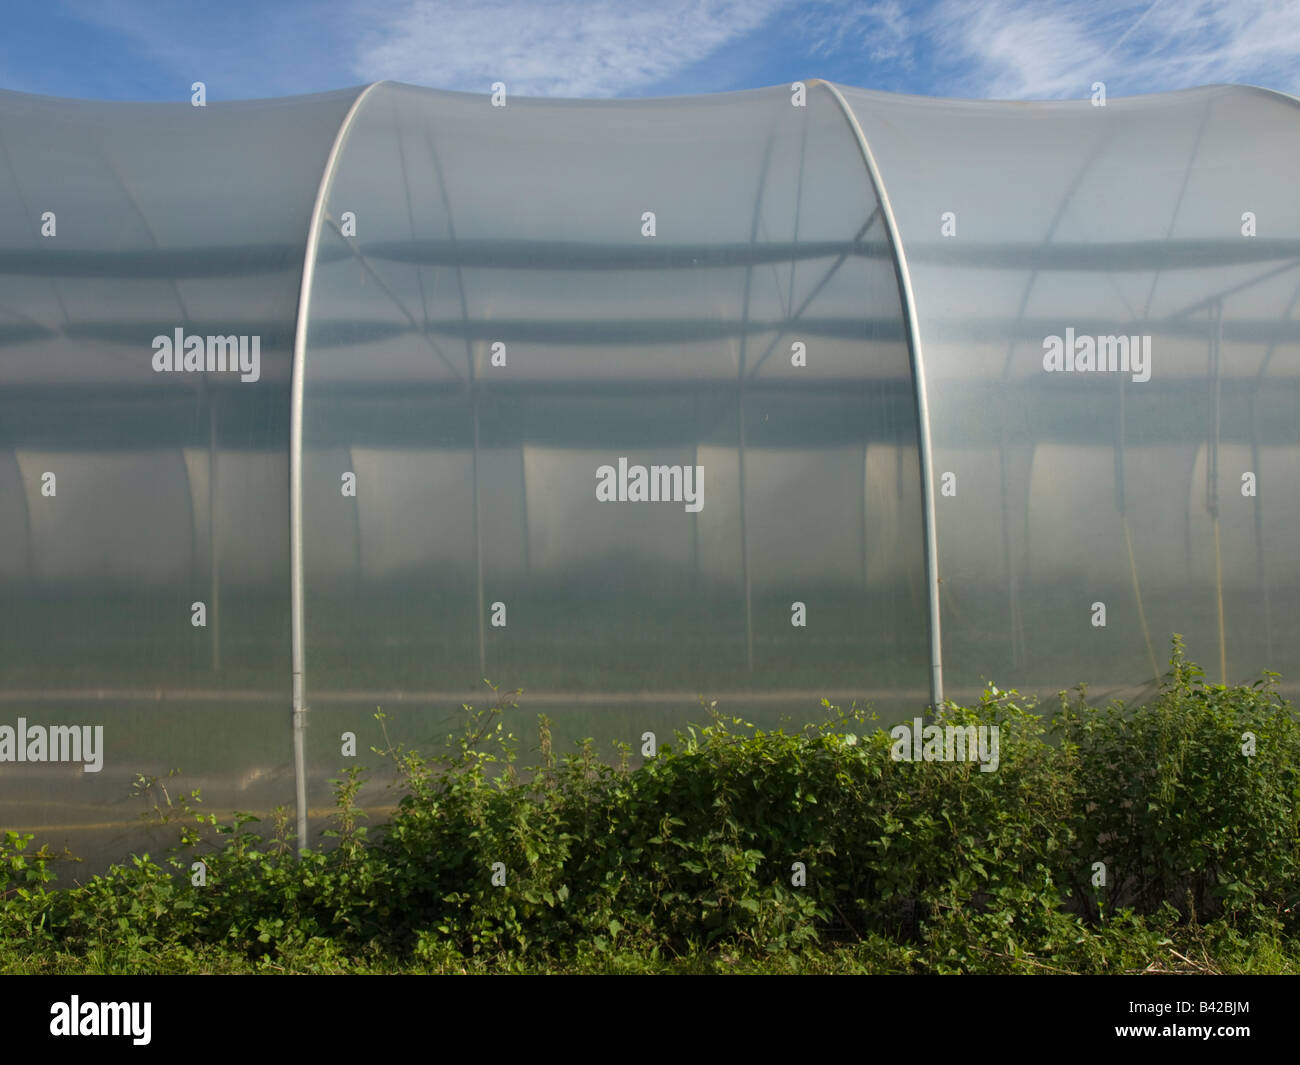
1001, 49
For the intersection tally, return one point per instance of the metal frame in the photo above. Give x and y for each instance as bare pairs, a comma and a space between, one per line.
918, 378
296, 619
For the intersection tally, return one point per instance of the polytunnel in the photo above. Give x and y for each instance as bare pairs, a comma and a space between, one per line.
319, 405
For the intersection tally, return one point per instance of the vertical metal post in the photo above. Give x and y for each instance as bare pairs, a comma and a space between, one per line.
478, 533
740, 413
214, 550
1212, 483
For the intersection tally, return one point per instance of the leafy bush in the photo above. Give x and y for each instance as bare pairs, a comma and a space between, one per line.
740, 843
1179, 814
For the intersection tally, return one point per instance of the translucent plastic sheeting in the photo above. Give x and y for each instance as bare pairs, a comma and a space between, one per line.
613, 402
130, 494
496, 317
1166, 494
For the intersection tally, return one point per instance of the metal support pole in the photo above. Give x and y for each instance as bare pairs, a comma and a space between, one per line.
296, 611
913, 331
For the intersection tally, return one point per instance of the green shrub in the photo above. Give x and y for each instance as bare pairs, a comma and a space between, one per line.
738, 843
1180, 816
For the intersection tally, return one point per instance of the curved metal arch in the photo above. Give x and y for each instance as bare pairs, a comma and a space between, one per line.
918, 377
296, 619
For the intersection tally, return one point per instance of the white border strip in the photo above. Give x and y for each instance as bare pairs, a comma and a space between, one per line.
295, 467
922, 402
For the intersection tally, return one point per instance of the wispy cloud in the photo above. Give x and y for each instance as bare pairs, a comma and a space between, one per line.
1023, 49
567, 48
876, 29
1014, 49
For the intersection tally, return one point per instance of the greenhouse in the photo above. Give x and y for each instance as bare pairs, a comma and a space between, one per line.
318, 405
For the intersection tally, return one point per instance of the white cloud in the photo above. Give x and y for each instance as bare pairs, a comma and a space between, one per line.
872, 29
566, 48
1017, 49
1024, 49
